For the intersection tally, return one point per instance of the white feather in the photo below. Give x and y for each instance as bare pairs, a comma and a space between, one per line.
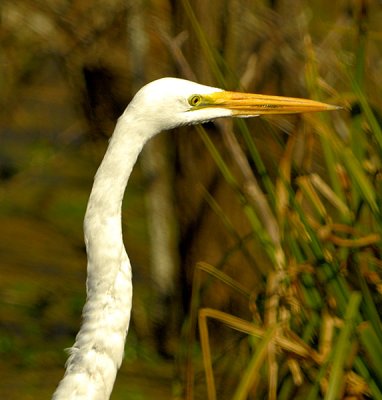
98, 350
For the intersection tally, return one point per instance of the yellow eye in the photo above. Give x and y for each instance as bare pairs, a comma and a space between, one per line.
195, 100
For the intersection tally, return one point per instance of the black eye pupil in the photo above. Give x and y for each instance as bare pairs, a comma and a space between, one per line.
195, 100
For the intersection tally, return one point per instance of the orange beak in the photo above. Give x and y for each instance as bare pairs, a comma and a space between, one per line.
248, 104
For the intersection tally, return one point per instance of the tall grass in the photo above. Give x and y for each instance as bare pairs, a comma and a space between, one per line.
318, 224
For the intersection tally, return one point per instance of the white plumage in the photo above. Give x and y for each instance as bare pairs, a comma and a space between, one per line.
163, 104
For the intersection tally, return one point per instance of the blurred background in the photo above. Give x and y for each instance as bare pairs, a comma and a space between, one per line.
67, 71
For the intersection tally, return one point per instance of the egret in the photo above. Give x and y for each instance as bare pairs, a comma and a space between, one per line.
160, 105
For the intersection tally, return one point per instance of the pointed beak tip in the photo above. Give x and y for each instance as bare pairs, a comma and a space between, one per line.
335, 108
331, 107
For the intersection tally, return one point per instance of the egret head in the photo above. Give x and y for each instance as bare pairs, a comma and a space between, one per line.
170, 102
